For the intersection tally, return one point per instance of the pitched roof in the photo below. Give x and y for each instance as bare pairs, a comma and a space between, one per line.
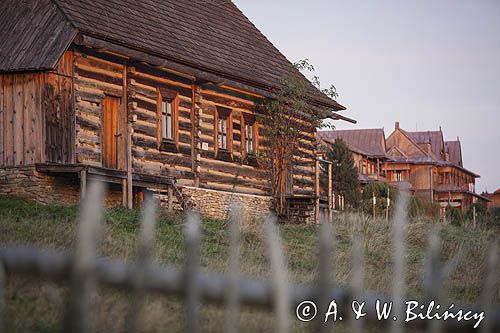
33, 35
455, 152
369, 142
208, 35
435, 138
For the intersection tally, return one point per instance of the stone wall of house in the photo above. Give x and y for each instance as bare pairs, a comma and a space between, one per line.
215, 204
25, 182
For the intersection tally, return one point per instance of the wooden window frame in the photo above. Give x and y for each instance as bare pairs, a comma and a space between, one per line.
227, 114
399, 176
245, 119
172, 97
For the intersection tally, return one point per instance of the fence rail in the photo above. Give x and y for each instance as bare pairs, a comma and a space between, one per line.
85, 272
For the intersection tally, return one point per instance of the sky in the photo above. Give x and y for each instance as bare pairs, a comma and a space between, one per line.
426, 64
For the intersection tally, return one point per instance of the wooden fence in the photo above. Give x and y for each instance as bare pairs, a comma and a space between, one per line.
85, 271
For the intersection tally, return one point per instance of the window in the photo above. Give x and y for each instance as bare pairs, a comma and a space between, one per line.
249, 146
167, 118
398, 176
249, 134
224, 131
167, 129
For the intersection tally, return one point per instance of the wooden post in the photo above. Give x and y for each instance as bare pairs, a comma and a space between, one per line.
170, 198
474, 215
130, 198
124, 192
374, 203
83, 184
388, 204
378, 168
330, 188
316, 191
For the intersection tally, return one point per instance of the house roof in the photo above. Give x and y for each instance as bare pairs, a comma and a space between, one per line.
455, 152
369, 142
213, 36
435, 138
450, 188
33, 35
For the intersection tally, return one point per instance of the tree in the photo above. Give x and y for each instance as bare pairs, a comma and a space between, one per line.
284, 117
345, 179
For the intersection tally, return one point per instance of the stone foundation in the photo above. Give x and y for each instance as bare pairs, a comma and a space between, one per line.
25, 182
215, 204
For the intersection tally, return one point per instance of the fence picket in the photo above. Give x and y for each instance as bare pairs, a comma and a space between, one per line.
279, 276
399, 276
357, 277
138, 270
490, 285
191, 272
83, 280
325, 255
232, 302
2, 296
433, 277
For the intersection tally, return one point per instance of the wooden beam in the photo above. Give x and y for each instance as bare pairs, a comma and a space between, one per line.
316, 191
330, 188
83, 184
170, 198
128, 141
124, 192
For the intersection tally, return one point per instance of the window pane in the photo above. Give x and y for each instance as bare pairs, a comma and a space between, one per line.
163, 126
169, 127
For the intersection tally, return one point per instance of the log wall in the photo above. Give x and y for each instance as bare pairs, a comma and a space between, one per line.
143, 84
94, 78
64, 109
222, 171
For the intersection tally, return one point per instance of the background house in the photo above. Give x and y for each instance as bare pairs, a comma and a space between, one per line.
432, 166
421, 163
494, 199
368, 150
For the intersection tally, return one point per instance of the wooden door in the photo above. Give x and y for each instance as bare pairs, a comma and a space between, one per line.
110, 132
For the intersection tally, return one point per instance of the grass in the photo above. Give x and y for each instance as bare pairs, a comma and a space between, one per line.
38, 306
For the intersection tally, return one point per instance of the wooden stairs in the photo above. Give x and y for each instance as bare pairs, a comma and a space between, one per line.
301, 209
181, 199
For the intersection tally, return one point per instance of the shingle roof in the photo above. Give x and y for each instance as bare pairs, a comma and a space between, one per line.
435, 138
370, 142
33, 35
455, 152
209, 35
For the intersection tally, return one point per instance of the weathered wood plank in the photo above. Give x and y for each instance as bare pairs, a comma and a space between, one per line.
29, 105
2, 117
18, 126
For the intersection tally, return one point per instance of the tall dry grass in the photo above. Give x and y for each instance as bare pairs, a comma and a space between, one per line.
38, 306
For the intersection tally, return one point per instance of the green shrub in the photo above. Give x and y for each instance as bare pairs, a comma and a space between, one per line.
454, 216
381, 191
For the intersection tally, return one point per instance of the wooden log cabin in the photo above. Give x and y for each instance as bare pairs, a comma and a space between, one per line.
432, 168
156, 95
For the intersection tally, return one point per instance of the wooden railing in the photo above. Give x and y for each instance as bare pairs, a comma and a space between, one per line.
85, 271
